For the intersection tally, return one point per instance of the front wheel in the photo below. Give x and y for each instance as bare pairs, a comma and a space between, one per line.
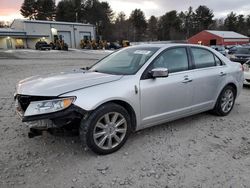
106, 129
225, 101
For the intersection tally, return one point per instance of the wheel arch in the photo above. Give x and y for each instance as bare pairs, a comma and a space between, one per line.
233, 85
228, 84
129, 109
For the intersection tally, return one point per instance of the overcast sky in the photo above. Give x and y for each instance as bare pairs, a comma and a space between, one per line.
9, 9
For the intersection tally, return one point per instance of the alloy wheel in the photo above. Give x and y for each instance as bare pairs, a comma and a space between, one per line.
110, 130
227, 101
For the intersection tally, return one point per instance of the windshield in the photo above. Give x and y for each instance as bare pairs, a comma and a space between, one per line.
243, 51
125, 62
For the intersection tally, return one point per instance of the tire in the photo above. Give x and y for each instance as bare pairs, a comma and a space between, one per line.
226, 97
109, 137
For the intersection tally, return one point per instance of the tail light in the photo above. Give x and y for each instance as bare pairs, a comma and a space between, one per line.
246, 67
242, 68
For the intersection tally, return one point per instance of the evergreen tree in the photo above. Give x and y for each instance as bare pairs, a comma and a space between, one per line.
28, 9
70, 10
203, 18
120, 27
139, 23
152, 28
187, 26
241, 25
248, 25
45, 9
169, 26
65, 11
99, 14
231, 22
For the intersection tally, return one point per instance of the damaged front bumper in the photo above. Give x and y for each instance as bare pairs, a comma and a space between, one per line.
66, 117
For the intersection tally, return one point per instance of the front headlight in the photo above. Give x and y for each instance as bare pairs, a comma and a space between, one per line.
48, 106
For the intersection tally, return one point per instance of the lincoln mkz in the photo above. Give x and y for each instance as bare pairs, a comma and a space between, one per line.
128, 90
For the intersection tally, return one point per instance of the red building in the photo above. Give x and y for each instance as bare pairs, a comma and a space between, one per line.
211, 37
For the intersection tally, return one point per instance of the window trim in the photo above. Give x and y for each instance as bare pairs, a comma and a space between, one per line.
145, 76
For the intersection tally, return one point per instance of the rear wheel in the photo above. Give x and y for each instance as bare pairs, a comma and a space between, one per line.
225, 102
106, 129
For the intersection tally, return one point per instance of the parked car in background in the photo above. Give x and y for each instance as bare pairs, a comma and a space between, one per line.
246, 67
220, 49
114, 46
129, 90
242, 55
42, 45
232, 49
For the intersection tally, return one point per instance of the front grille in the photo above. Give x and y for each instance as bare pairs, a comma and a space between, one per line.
24, 100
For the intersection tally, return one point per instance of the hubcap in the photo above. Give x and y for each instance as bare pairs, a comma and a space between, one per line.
227, 101
110, 130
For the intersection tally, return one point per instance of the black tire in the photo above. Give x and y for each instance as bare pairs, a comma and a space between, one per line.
87, 127
218, 106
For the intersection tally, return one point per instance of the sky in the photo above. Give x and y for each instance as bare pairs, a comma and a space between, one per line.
9, 9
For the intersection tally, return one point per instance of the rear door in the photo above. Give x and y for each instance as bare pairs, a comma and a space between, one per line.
170, 97
208, 75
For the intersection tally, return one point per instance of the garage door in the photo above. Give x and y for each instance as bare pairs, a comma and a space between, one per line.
66, 36
85, 35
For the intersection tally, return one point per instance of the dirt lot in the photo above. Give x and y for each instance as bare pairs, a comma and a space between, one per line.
199, 151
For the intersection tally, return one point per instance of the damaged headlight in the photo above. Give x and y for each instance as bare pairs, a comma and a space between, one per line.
48, 106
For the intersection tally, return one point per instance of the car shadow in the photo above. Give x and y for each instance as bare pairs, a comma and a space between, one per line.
69, 143
72, 141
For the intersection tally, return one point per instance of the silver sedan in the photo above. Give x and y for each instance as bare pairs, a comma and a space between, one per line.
129, 90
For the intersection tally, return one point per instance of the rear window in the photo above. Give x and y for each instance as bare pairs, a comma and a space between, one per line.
203, 58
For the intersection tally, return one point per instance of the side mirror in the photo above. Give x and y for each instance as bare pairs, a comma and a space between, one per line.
159, 72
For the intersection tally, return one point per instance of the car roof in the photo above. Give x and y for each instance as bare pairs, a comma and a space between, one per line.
163, 46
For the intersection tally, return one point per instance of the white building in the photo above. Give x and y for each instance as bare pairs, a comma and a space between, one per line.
25, 33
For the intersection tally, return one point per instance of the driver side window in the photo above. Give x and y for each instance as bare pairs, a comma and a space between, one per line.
174, 60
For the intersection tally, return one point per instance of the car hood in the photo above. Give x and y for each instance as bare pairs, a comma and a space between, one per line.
57, 84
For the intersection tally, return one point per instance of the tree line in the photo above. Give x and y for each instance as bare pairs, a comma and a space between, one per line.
172, 25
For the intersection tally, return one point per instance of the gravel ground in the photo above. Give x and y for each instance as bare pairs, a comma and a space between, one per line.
198, 151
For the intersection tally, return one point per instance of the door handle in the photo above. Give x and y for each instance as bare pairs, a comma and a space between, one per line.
223, 74
186, 80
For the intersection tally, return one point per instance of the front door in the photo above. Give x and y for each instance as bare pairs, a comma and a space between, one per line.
9, 43
166, 98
